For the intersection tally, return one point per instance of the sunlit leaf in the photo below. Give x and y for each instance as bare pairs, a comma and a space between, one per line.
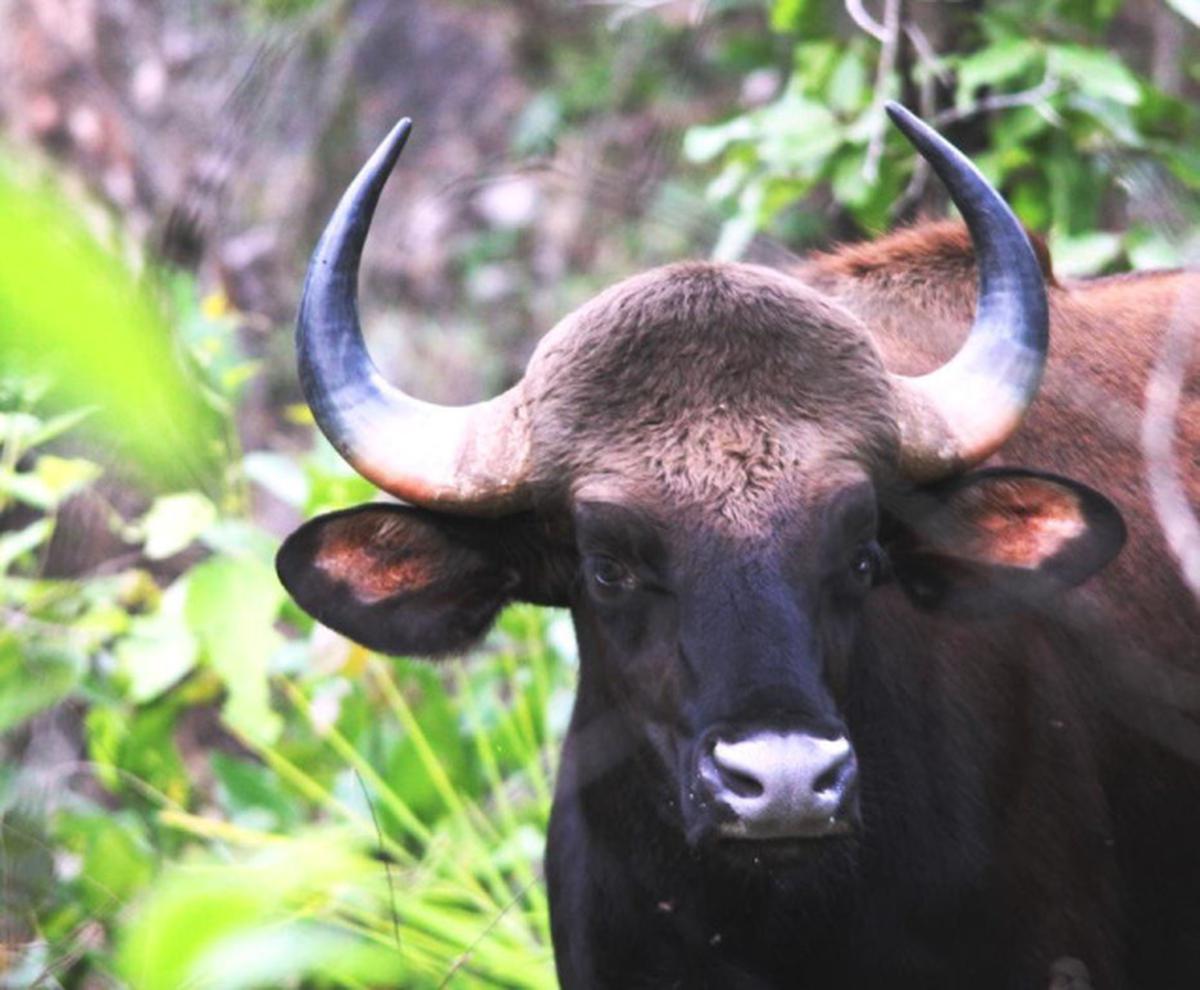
702, 144
116, 862
1084, 254
1097, 72
994, 65
786, 15
254, 795
103, 343
174, 521
159, 648
32, 678
13, 546
278, 474
231, 608
134, 747
238, 926
52, 480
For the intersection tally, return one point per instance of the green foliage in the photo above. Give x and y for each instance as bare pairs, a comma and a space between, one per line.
360, 822
816, 132
1067, 122
104, 344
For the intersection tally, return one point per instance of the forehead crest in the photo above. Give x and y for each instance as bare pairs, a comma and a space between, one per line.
710, 382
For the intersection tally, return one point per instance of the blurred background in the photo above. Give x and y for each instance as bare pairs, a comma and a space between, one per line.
197, 786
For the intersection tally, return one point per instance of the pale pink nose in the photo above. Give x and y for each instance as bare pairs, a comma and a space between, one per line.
783, 785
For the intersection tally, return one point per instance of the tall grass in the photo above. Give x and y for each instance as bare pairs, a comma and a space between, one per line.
376, 887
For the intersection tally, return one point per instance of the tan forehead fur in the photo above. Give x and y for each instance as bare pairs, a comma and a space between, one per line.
720, 385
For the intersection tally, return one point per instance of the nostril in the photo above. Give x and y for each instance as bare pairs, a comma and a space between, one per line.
837, 777
734, 779
830, 779
839, 782
741, 784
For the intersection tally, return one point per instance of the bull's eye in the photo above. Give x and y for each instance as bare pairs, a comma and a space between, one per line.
865, 564
609, 575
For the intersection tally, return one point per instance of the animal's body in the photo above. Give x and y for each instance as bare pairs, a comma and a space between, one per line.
848, 715
1029, 794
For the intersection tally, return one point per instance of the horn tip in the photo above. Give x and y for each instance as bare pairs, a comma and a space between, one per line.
398, 137
908, 122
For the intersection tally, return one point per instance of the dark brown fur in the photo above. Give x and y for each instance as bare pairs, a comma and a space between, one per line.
916, 291
712, 385
1031, 787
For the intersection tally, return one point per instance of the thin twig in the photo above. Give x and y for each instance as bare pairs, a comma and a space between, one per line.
466, 953
934, 70
858, 14
887, 65
387, 860
87, 937
927, 54
1001, 101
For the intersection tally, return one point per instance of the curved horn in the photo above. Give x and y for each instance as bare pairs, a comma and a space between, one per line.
961, 413
469, 459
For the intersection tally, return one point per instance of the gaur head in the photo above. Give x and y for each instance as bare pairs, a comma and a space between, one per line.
710, 466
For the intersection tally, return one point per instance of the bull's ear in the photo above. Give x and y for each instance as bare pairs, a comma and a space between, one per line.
406, 581
998, 539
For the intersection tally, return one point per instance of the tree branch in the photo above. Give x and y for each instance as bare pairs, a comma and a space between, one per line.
858, 14
1002, 101
884, 71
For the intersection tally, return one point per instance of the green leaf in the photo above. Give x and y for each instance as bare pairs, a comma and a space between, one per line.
103, 343
27, 430
812, 64
127, 742
797, 136
1018, 126
1098, 73
116, 861
245, 925
1115, 118
64, 476
1029, 201
174, 521
240, 538
848, 86
52, 480
231, 608
849, 187
703, 144
786, 15
736, 235
13, 546
159, 648
1084, 254
1150, 249
538, 125
1002, 62
32, 678
278, 474
28, 872
255, 796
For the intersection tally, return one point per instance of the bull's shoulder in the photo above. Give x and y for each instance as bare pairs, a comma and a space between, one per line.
930, 253
915, 290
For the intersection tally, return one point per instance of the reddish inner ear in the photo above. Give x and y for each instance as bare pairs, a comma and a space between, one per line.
1017, 522
375, 559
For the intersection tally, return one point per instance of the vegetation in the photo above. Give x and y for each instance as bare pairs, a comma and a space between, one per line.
223, 794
